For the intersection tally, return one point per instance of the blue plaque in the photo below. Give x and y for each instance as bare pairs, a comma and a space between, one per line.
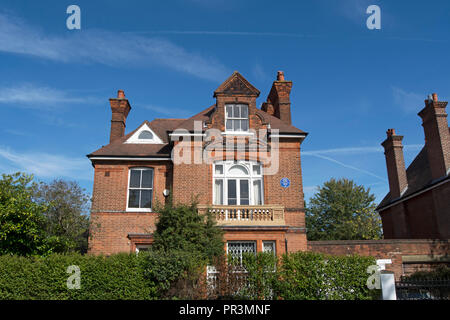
285, 182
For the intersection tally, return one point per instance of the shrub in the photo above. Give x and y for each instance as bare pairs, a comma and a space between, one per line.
175, 274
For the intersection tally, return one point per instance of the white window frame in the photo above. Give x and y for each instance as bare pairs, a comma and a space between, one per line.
142, 246
273, 243
242, 242
240, 105
225, 176
128, 189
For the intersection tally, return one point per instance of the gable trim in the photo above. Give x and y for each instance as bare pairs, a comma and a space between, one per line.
144, 127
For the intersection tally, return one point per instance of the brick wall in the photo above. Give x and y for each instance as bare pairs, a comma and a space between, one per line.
111, 223
423, 216
405, 253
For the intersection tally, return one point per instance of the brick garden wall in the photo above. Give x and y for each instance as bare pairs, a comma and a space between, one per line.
408, 255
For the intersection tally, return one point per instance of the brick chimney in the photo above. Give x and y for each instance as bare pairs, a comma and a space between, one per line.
278, 101
437, 136
120, 108
395, 163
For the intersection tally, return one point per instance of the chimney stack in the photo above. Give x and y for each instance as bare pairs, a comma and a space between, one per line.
395, 163
278, 101
437, 136
120, 108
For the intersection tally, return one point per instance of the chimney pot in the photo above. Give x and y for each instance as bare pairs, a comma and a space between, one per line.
435, 97
390, 132
280, 76
120, 94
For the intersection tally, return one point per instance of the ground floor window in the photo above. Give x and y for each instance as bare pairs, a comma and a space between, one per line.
235, 249
269, 246
142, 247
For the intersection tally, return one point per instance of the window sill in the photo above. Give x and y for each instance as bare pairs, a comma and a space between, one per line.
138, 210
237, 133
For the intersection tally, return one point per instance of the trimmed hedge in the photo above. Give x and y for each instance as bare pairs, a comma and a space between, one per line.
307, 276
159, 275
119, 276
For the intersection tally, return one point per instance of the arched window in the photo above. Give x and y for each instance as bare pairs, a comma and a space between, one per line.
238, 183
140, 189
145, 135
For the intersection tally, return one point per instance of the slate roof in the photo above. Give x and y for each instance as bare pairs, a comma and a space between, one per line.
120, 149
418, 175
163, 127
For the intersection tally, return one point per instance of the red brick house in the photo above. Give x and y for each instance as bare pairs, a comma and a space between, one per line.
418, 203
241, 162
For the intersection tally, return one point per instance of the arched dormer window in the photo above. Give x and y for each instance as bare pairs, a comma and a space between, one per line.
238, 183
145, 135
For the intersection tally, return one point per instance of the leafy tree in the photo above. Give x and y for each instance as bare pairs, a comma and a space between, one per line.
22, 223
67, 219
342, 210
182, 228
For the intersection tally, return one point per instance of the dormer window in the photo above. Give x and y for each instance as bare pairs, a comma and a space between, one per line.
236, 117
145, 135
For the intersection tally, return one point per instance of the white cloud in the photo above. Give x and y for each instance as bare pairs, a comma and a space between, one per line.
39, 97
359, 150
178, 112
408, 101
352, 151
45, 165
109, 48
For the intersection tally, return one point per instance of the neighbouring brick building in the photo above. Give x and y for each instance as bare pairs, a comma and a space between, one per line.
418, 203
416, 211
252, 180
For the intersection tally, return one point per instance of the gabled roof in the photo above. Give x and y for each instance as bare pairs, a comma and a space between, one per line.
120, 149
418, 175
236, 84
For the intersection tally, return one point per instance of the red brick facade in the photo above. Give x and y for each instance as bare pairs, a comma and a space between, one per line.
117, 229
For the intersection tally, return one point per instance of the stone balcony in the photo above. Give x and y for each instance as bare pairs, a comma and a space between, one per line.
263, 215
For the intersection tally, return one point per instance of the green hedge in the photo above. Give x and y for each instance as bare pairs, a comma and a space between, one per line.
307, 276
159, 275
119, 276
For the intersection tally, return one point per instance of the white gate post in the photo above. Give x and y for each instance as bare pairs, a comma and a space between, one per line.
387, 280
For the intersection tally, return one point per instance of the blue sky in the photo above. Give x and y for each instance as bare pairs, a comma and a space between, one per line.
349, 83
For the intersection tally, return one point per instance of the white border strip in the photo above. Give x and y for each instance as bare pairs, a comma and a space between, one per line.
129, 158
288, 135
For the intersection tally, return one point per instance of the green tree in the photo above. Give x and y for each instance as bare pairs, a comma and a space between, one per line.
182, 228
67, 219
22, 223
342, 210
